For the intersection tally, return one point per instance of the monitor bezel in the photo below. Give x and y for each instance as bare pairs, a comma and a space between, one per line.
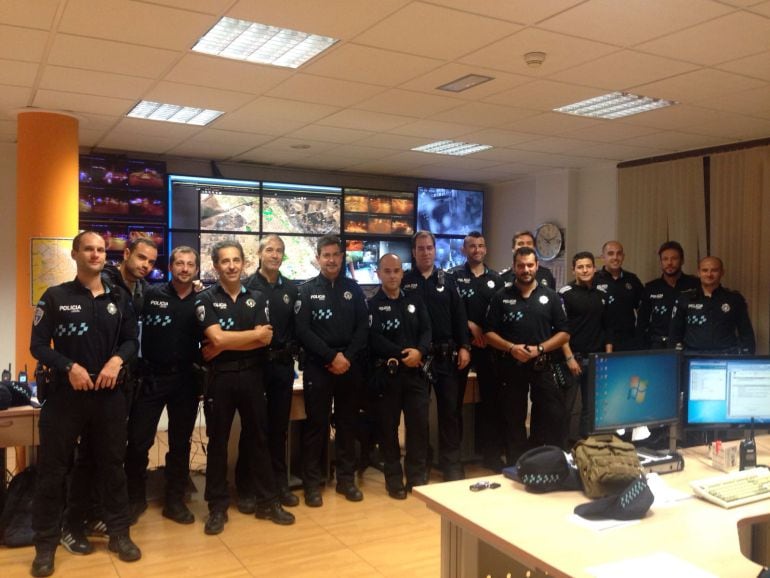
592, 389
685, 384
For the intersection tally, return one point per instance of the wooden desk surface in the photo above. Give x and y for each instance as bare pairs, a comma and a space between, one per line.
536, 530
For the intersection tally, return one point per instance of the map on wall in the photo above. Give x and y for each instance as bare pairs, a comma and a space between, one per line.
52, 264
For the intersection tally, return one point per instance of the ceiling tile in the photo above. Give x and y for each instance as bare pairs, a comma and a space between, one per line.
610, 131
483, 114
551, 123
135, 22
432, 129
197, 96
205, 6
760, 8
272, 156
497, 137
677, 117
755, 102
757, 66
365, 120
93, 82
358, 151
698, 85
629, 22
543, 95
204, 70
37, 14
370, 65
247, 121
107, 56
445, 74
291, 110
561, 52
321, 90
75, 102
450, 34
393, 141
623, 70
284, 143
137, 143
739, 34
22, 43
620, 152
557, 145
330, 134
734, 127
408, 103
336, 18
17, 73
155, 128
679, 141
524, 11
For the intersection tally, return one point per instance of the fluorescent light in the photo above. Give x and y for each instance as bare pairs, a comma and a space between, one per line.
150, 110
614, 105
254, 42
465, 82
452, 147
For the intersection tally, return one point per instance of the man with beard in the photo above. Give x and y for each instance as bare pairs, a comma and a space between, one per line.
660, 295
525, 323
477, 283
450, 349
170, 347
544, 275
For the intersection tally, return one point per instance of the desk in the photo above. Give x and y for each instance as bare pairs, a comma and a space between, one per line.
18, 428
482, 532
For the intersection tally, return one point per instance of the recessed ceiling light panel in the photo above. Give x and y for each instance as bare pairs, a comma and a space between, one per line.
452, 147
261, 43
614, 105
465, 82
149, 110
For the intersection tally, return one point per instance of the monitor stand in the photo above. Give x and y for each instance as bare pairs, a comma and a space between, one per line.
662, 461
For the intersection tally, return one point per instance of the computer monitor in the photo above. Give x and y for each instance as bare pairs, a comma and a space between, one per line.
635, 388
724, 392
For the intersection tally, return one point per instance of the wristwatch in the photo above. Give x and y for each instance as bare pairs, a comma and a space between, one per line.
68, 367
540, 349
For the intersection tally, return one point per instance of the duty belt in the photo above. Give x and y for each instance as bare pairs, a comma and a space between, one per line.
280, 355
443, 349
167, 368
235, 365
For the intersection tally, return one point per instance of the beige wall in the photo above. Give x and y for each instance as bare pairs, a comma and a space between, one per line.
8, 251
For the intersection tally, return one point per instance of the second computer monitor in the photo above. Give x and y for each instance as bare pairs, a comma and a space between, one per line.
632, 389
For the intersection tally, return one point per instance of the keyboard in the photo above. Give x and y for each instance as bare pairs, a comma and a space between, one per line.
734, 488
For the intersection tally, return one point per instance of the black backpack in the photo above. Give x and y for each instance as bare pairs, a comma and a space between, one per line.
16, 519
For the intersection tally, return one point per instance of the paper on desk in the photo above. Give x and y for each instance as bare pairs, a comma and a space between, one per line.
600, 525
664, 494
655, 564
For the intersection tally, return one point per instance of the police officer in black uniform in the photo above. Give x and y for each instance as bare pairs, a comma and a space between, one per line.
450, 350
236, 330
525, 323
332, 325
94, 333
624, 295
712, 319
586, 308
544, 275
399, 339
477, 283
660, 295
170, 347
281, 294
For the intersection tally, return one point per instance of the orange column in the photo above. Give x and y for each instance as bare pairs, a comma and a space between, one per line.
46, 203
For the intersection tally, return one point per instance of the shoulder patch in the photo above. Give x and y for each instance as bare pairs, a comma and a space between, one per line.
200, 312
38, 314
565, 289
297, 306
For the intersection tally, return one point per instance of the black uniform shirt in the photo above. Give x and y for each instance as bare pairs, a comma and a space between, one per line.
281, 297
445, 307
249, 309
169, 329
624, 295
397, 324
331, 317
85, 329
113, 275
476, 292
531, 320
587, 317
543, 276
658, 301
715, 323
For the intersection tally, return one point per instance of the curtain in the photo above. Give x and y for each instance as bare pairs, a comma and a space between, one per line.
659, 202
740, 229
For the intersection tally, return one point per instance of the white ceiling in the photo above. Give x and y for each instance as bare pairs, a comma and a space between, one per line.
365, 102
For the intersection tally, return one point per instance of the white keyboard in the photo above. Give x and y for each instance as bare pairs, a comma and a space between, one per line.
734, 488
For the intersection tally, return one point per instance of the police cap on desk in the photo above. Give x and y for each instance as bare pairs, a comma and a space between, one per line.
545, 469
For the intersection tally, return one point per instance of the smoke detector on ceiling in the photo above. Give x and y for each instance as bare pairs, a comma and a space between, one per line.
534, 59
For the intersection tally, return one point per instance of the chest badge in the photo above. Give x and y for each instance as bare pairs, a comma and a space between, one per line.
491, 284
411, 308
440, 289
628, 287
725, 307
347, 295
286, 298
543, 299
251, 303
112, 309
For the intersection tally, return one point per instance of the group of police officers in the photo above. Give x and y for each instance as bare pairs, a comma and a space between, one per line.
234, 346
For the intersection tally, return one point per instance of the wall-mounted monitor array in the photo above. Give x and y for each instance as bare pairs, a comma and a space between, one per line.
723, 392
370, 222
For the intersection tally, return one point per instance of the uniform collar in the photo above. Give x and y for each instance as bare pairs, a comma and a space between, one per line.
470, 273
218, 287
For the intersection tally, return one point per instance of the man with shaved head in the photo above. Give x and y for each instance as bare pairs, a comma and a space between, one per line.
624, 290
712, 319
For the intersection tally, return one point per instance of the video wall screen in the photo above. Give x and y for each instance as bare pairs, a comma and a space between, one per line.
220, 211
250, 244
449, 252
363, 255
449, 211
379, 212
300, 213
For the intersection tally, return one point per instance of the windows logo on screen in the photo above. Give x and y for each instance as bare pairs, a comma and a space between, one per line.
637, 389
